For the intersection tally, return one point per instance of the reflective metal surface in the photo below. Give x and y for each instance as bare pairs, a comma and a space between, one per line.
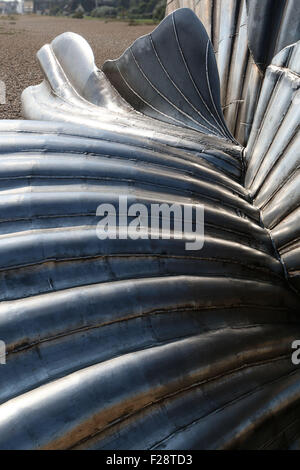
141, 344
273, 158
246, 35
135, 344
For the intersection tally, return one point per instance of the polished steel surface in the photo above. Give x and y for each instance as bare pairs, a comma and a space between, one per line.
273, 158
141, 344
135, 344
246, 35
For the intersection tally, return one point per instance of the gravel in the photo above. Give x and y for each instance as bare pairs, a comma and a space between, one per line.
22, 36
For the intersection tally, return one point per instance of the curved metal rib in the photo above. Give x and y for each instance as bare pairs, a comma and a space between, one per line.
178, 83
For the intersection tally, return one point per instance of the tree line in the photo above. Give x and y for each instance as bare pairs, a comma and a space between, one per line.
123, 9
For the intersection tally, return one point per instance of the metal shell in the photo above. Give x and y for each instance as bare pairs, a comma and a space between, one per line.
123, 344
246, 35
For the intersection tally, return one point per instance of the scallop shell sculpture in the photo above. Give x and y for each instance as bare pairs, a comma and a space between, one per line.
142, 344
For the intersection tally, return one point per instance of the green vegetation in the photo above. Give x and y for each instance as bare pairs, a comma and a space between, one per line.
104, 12
136, 11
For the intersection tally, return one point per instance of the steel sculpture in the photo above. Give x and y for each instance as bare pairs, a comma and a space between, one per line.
141, 344
246, 35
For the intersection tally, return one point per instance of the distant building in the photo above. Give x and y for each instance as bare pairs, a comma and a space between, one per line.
9, 7
42, 6
28, 6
